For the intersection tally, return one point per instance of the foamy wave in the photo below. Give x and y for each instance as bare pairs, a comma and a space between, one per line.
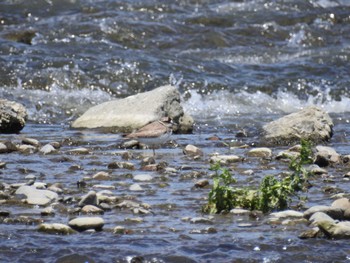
57, 104
223, 103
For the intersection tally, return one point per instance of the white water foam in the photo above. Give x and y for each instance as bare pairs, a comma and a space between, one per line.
221, 103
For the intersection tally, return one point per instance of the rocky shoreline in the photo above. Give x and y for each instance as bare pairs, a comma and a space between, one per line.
89, 200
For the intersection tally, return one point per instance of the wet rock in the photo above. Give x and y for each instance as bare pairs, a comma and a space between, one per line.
47, 149
136, 111
91, 209
56, 228
342, 203
89, 199
24, 220
311, 233
335, 230
103, 176
35, 196
225, 159
127, 204
136, 220
201, 220
262, 152
311, 123
191, 150
316, 170
135, 187
31, 141
25, 36
48, 211
80, 150
326, 156
26, 149
147, 161
4, 213
13, 116
103, 186
319, 217
85, 223
121, 165
287, 213
143, 177
201, 183
119, 230
75, 258
55, 189
3, 148
335, 213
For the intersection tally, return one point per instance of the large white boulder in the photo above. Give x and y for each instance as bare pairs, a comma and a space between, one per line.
136, 111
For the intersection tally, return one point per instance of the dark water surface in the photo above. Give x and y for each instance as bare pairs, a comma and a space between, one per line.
238, 64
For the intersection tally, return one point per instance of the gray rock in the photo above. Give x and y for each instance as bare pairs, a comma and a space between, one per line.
262, 152
310, 123
136, 111
319, 217
143, 177
91, 209
326, 156
56, 228
342, 203
286, 214
135, 188
47, 149
13, 116
201, 220
85, 223
192, 150
89, 199
31, 141
103, 176
35, 196
335, 213
335, 230
225, 159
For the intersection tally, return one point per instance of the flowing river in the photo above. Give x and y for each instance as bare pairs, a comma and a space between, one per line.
238, 65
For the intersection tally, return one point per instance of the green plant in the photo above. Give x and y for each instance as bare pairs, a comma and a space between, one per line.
272, 194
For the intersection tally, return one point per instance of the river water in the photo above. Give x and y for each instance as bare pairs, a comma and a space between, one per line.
238, 65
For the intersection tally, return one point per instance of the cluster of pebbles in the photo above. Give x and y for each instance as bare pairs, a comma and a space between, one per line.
87, 203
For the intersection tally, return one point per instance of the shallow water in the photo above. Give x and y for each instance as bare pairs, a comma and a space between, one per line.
238, 65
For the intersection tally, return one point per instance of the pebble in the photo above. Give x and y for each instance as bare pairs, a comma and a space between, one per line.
225, 159
103, 176
262, 152
121, 165
142, 178
191, 150
80, 150
135, 187
56, 228
91, 209
201, 183
47, 149
85, 223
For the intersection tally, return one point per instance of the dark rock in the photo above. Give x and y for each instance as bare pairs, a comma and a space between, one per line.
13, 116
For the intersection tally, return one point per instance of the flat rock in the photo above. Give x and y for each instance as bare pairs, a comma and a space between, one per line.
225, 159
335, 213
326, 156
13, 116
91, 209
262, 152
287, 213
191, 150
47, 149
311, 124
85, 223
56, 228
134, 112
335, 230
36, 196
143, 177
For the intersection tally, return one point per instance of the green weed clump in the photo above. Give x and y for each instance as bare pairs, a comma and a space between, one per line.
272, 194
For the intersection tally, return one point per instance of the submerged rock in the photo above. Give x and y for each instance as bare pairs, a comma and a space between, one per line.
85, 223
13, 116
311, 123
136, 111
56, 228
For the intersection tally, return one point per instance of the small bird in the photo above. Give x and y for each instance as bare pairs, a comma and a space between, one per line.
154, 133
